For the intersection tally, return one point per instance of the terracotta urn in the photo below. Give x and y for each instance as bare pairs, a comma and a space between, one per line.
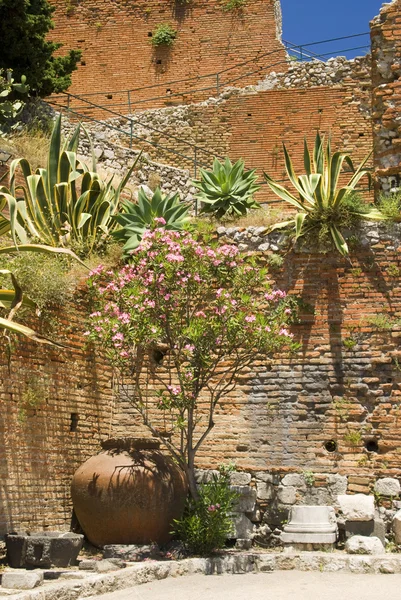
129, 493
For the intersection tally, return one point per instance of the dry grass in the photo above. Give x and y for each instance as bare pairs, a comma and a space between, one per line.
32, 145
265, 217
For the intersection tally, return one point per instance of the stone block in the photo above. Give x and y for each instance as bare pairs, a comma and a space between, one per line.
21, 579
243, 527
246, 500
240, 478
50, 548
388, 486
287, 495
359, 544
358, 507
265, 491
337, 484
396, 526
294, 479
374, 528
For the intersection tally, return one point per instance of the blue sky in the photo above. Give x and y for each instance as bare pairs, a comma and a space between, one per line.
307, 21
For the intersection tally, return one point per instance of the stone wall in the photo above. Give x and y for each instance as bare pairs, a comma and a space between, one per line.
251, 123
386, 53
114, 37
56, 407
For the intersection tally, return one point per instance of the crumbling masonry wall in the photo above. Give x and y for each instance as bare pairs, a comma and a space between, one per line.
386, 53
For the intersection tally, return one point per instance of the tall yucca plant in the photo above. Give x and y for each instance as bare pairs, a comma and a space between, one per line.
227, 190
65, 204
321, 201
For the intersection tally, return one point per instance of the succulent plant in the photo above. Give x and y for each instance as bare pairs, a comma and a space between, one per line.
228, 190
322, 205
158, 211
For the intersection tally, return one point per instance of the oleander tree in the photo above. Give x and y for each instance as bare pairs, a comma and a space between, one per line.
180, 323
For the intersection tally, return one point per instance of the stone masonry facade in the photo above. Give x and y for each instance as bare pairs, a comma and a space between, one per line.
386, 53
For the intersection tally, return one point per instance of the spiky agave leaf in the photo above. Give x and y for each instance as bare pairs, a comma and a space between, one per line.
319, 191
227, 190
136, 218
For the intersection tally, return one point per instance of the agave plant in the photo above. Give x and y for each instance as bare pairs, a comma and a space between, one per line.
64, 205
136, 218
228, 190
322, 204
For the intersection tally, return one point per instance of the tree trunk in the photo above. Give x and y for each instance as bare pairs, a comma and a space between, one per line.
190, 470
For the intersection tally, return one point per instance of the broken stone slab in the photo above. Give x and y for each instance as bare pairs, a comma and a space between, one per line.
21, 579
375, 528
396, 526
388, 486
360, 544
359, 507
130, 553
107, 565
243, 527
310, 525
46, 549
246, 498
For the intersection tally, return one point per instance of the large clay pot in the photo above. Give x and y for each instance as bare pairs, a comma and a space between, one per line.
128, 494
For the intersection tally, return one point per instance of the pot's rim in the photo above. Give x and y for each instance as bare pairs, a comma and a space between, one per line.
130, 443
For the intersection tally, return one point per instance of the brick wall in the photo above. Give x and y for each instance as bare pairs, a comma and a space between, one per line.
386, 53
117, 53
344, 385
56, 406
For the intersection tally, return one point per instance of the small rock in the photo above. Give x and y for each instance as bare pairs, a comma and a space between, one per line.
243, 544
104, 566
87, 565
359, 544
21, 579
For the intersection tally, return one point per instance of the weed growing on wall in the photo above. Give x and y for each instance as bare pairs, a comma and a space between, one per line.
163, 35
46, 279
234, 5
390, 205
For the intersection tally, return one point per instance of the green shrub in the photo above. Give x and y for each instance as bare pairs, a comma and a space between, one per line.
390, 205
164, 35
234, 4
207, 522
44, 278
